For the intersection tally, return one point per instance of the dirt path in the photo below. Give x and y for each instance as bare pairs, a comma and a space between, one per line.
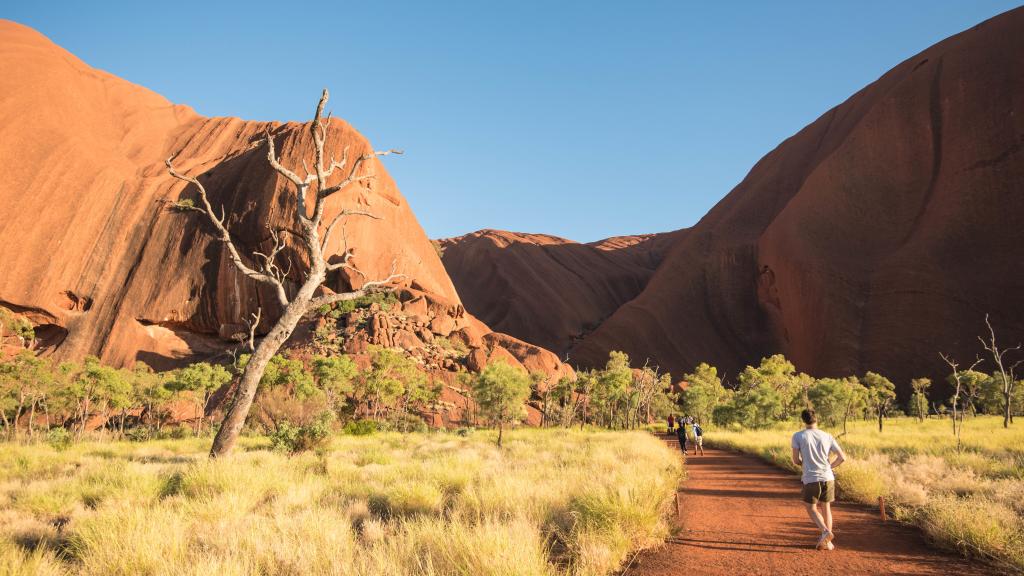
739, 515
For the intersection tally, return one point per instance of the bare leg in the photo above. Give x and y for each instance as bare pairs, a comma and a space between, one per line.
828, 515
812, 511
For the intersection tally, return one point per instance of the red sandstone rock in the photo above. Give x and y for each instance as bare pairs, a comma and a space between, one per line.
873, 239
548, 290
87, 242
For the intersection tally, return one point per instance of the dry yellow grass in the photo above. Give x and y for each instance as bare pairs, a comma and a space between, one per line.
971, 501
550, 502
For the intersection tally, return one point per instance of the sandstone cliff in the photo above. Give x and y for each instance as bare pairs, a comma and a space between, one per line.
96, 257
548, 290
873, 239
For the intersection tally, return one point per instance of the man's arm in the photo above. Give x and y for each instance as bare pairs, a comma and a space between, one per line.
840, 455
797, 461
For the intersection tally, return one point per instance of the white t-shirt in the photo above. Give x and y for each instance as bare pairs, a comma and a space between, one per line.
815, 446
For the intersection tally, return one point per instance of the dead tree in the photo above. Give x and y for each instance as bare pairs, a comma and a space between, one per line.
958, 414
1005, 373
263, 267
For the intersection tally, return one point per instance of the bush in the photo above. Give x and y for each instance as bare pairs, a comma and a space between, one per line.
361, 428
175, 433
407, 423
294, 439
59, 438
139, 434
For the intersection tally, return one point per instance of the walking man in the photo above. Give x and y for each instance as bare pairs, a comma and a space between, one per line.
698, 438
812, 449
681, 435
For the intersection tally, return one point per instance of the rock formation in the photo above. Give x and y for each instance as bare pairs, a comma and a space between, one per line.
98, 255
548, 290
872, 239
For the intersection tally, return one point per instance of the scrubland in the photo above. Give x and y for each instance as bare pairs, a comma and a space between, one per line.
549, 502
970, 500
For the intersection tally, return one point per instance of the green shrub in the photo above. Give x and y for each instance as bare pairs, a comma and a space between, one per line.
361, 428
59, 438
294, 439
139, 434
175, 432
407, 423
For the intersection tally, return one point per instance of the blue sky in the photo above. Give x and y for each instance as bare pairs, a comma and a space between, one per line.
580, 119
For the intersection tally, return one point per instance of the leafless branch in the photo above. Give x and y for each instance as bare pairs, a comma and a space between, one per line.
352, 175
252, 328
337, 218
225, 236
367, 288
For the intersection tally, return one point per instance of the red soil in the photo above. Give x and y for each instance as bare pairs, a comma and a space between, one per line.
739, 515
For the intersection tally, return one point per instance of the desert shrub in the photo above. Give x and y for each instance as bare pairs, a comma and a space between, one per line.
406, 423
177, 432
183, 205
361, 428
59, 439
139, 434
384, 299
294, 439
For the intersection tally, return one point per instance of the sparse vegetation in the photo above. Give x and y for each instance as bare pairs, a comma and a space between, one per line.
374, 505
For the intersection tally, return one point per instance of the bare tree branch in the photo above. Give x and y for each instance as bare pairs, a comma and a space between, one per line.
1007, 375
252, 328
352, 175
367, 288
337, 218
225, 236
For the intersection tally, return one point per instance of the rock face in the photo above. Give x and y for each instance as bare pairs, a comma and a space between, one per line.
97, 258
873, 239
548, 290
91, 251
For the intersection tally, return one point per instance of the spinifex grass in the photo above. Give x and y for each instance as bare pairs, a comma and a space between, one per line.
972, 500
550, 502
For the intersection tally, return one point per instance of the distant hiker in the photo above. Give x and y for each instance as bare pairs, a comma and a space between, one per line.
681, 435
671, 423
698, 439
812, 449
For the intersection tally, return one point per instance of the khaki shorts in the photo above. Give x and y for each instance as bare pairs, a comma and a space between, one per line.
699, 440
819, 492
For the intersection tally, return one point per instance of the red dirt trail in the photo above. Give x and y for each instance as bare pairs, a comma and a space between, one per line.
739, 515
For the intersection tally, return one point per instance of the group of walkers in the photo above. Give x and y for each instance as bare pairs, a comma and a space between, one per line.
815, 452
678, 427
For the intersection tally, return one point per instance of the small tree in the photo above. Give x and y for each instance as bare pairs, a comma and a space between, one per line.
151, 393
500, 390
202, 380
855, 396
956, 379
612, 389
1004, 374
919, 399
779, 374
25, 381
828, 396
881, 393
264, 268
334, 375
384, 384
704, 391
